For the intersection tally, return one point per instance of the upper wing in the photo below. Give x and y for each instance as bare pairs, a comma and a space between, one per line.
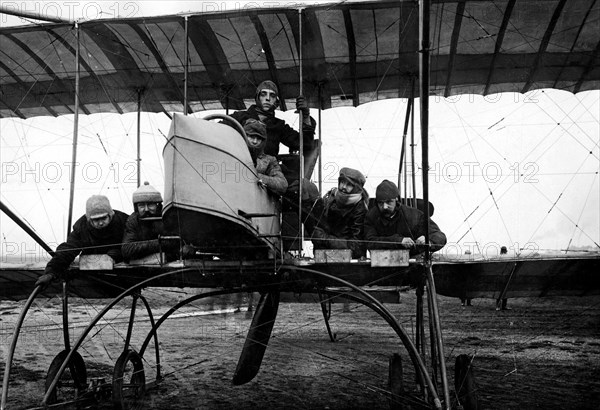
352, 53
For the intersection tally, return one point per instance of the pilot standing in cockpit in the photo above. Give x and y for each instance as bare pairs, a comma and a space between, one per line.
267, 100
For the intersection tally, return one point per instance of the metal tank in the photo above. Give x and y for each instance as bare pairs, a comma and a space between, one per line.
212, 196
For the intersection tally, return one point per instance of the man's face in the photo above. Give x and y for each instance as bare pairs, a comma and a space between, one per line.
345, 186
254, 140
100, 222
146, 209
267, 99
387, 207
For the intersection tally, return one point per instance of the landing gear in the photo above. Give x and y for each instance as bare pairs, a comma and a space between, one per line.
72, 382
325, 302
464, 383
395, 382
129, 381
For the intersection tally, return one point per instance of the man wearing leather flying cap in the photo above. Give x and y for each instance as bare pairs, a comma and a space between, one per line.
267, 100
99, 231
340, 225
392, 225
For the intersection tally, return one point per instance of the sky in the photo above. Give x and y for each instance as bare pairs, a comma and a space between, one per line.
515, 170
91, 10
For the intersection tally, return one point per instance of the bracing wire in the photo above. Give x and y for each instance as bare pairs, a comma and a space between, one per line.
573, 122
473, 151
466, 219
554, 206
576, 227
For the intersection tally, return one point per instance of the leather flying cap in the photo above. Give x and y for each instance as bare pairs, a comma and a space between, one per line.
254, 127
267, 85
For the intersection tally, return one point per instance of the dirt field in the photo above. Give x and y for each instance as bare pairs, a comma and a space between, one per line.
541, 354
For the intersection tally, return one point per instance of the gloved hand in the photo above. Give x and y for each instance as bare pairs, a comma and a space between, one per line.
302, 106
188, 251
45, 280
408, 242
115, 254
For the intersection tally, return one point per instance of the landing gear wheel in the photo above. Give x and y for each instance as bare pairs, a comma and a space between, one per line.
129, 382
464, 383
72, 382
395, 382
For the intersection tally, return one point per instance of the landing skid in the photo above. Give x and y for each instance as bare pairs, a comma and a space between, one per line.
129, 383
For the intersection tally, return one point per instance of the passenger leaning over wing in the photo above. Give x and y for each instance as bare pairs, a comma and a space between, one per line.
267, 166
144, 226
391, 225
99, 231
342, 212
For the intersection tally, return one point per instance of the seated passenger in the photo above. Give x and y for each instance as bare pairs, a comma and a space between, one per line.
99, 231
144, 226
391, 225
267, 100
343, 209
267, 166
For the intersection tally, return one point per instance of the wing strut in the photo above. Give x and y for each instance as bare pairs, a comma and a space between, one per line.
403, 149
185, 66
412, 147
301, 137
138, 138
424, 43
75, 130
320, 139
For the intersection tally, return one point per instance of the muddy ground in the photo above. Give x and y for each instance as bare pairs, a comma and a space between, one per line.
540, 354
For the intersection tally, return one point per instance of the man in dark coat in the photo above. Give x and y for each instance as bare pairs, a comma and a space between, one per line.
391, 225
340, 225
267, 100
99, 231
144, 226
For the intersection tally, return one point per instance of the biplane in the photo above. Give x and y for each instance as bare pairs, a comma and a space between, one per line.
336, 55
